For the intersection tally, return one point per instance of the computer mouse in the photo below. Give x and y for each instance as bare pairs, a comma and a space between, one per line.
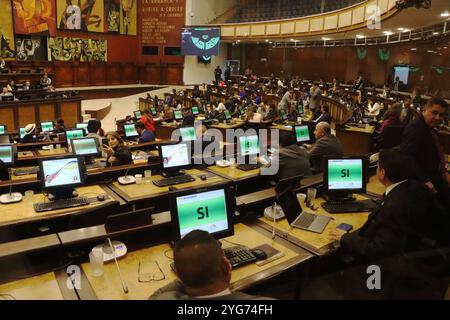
259, 254
172, 189
203, 177
101, 197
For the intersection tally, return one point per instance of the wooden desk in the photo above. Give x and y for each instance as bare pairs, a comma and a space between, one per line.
356, 141
135, 192
164, 131
109, 286
44, 287
319, 244
24, 212
234, 173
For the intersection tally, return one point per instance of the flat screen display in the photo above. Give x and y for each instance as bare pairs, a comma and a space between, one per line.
82, 126
86, 146
200, 41
7, 154
130, 130
2, 129
47, 126
22, 132
178, 115
61, 172
249, 145
195, 111
75, 133
345, 174
302, 133
175, 155
187, 134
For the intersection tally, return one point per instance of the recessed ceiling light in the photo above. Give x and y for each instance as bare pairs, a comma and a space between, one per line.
267, 40
388, 33
400, 29
360, 36
406, 30
435, 33
325, 39
445, 14
413, 49
430, 51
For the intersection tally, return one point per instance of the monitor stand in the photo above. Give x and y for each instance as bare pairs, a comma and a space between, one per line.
172, 173
62, 193
348, 197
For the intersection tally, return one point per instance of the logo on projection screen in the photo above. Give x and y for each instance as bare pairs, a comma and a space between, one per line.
203, 43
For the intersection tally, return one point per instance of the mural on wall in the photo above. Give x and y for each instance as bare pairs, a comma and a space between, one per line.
112, 15
6, 30
33, 16
74, 49
80, 15
128, 17
31, 48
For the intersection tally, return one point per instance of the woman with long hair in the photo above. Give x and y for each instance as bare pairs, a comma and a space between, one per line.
117, 152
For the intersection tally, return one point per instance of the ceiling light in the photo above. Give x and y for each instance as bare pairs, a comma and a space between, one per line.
435, 33
445, 14
388, 33
413, 49
267, 40
325, 39
406, 30
445, 47
430, 51
360, 36
400, 29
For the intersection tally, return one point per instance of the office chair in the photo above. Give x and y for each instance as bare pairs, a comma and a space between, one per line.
392, 137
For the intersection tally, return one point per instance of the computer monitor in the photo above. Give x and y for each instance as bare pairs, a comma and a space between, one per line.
283, 114
187, 134
195, 111
82, 125
137, 114
86, 147
153, 111
3, 129
301, 108
22, 132
248, 145
209, 209
74, 133
130, 130
46, 126
60, 175
302, 134
8, 98
227, 114
5, 139
344, 176
7, 153
174, 157
178, 115
241, 110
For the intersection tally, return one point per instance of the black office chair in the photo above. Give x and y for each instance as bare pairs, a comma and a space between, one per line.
392, 137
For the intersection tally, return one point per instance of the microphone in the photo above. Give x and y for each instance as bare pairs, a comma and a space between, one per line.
10, 197
274, 220
127, 179
113, 250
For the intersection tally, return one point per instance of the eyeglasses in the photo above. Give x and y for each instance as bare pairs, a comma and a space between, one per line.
148, 277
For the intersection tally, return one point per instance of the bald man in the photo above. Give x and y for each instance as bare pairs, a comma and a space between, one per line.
203, 270
326, 145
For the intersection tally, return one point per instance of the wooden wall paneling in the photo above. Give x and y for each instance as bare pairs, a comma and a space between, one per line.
113, 74
27, 114
98, 73
71, 112
7, 118
64, 75
150, 73
47, 112
128, 73
173, 74
82, 74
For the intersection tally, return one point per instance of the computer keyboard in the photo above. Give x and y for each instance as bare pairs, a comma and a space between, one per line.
95, 165
174, 180
239, 255
305, 220
248, 166
26, 171
349, 206
60, 204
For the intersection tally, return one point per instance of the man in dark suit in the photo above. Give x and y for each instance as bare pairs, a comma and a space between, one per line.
408, 215
326, 145
144, 134
293, 160
188, 118
203, 270
324, 115
421, 142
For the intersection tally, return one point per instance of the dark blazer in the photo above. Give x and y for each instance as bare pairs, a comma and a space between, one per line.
147, 136
418, 142
293, 161
327, 146
399, 224
122, 155
324, 117
189, 120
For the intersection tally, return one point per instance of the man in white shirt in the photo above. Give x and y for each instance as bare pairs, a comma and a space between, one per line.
221, 107
373, 108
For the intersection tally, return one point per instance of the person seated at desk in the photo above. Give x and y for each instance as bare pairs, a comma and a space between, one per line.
252, 115
10, 85
147, 120
144, 134
416, 97
293, 160
421, 142
30, 134
221, 107
408, 214
168, 113
26, 86
203, 271
188, 117
373, 109
386, 91
93, 129
324, 115
390, 118
7, 93
262, 110
117, 152
45, 80
408, 113
327, 145
59, 126
272, 113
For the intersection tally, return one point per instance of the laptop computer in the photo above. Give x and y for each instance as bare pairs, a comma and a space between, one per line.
297, 217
